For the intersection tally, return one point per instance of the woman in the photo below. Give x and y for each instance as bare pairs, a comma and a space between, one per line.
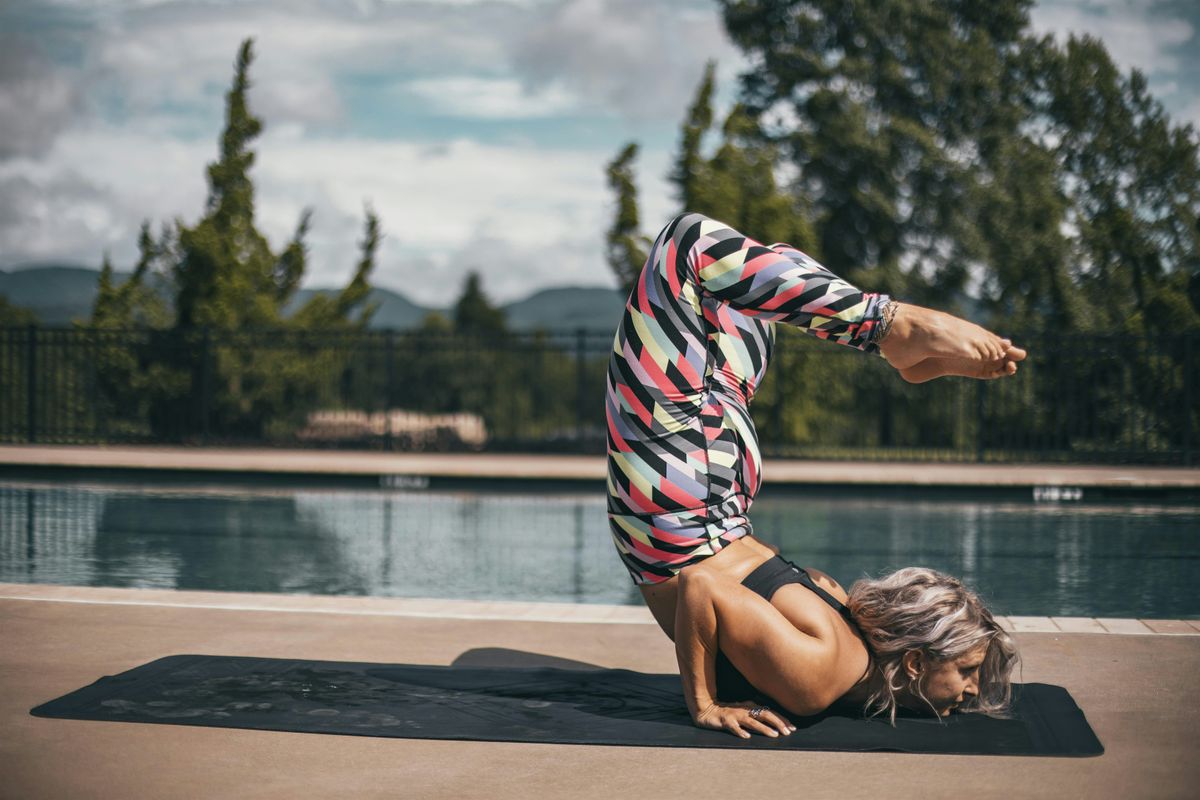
684, 467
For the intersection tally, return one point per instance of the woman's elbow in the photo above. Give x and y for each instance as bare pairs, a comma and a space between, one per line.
810, 703
818, 694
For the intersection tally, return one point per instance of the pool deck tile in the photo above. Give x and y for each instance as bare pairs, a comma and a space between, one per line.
1170, 626
1078, 625
1123, 625
1129, 688
1033, 625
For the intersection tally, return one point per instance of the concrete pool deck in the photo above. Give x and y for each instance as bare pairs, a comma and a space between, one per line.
1136, 690
584, 469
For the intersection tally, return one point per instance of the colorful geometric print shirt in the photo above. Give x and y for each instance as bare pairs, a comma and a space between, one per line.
692, 348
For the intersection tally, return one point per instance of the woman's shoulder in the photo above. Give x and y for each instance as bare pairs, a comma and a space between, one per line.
827, 583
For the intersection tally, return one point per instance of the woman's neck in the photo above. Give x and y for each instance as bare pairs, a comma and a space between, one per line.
865, 686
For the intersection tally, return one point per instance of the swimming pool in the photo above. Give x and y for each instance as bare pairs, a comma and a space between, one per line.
1112, 560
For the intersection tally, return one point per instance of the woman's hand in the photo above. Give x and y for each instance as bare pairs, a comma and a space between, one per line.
742, 719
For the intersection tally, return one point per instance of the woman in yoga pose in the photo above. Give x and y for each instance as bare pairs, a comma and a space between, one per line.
756, 636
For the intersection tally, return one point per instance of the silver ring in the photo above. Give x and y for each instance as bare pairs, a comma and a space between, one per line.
756, 712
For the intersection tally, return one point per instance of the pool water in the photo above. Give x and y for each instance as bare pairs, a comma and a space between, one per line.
1029, 558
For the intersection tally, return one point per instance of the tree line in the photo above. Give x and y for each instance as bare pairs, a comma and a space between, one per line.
935, 150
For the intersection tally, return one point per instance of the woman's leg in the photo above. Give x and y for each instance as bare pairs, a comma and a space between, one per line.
694, 340
682, 453
783, 284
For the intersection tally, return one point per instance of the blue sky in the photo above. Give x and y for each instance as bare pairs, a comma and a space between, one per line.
477, 130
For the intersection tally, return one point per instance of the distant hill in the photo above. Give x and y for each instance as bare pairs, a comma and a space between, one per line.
568, 308
59, 294
395, 311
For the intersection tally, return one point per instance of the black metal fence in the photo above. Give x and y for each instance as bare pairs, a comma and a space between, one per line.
1078, 399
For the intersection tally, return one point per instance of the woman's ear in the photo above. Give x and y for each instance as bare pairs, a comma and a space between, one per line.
913, 664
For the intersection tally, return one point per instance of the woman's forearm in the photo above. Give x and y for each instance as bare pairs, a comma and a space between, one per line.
696, 642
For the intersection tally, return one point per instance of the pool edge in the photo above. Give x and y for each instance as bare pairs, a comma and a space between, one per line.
507, 610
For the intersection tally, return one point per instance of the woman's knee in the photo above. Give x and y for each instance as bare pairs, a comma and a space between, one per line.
698, 583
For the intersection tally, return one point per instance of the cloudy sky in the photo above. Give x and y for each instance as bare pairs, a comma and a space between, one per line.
478, 130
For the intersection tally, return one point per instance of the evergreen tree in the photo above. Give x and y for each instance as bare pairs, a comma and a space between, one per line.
627, 248
474, 314
686, 174
222, 276
331, 311
892, 106
1133, 182
13, 316
736, 185
134, 303
222, 272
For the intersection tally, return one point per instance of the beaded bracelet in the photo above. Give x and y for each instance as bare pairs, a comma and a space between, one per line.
886, 315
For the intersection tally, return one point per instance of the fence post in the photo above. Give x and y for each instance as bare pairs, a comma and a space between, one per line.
1187, 398
205, 384
777, 410
580, 380
30, 382
979, 421
390, 355
885, 410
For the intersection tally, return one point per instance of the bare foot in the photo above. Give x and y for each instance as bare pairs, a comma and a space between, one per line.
954, 346
932, 368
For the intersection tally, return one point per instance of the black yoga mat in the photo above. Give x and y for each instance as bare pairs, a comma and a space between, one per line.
521, 704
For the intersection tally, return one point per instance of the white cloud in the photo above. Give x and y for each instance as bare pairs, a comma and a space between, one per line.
1132, 36
447, 209
640, 59
63, 213
37, 100
1190, 114
524, 217
177, 57
92, 192
502, 98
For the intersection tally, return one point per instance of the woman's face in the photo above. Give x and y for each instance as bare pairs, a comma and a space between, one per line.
947, 684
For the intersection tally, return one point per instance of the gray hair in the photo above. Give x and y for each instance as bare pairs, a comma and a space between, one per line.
921, 609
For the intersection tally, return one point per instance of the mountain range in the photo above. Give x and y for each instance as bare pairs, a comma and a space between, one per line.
60, 294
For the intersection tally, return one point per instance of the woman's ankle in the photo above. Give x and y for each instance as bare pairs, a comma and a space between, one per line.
896, 344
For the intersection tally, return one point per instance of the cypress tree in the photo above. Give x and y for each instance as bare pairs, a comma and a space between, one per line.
686, 174
474, 314
626, 248
224, 276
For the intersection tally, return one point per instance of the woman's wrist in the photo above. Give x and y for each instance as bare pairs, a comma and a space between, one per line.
887, 321
700, 706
